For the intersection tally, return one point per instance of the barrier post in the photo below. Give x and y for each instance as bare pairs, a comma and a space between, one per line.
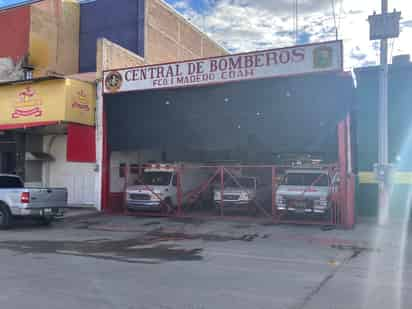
350, 203
222, 188
274, 185
179, 190
126, 183
342, 146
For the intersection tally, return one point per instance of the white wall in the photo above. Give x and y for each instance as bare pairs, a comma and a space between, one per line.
117, 184
79, 178
99, 148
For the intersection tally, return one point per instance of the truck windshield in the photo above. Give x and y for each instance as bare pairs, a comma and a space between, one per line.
244, 182
308, 179
10, 182
157, 178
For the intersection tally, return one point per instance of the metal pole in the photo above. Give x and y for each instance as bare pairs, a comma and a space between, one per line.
274, 187
222, 189
179, 191
383, 112
296, 21
334, 20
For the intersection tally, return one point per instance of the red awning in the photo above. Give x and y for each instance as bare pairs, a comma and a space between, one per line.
4, 127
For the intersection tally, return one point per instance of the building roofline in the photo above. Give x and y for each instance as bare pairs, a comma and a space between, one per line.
392, 67
18, 5
180, 15
29, 81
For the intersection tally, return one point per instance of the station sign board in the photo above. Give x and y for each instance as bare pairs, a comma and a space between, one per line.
384, 26
293, 60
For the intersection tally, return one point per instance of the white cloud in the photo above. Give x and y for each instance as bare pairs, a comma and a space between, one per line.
245, 25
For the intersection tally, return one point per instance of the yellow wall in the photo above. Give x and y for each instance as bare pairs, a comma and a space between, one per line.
50, 100
111, 55
398, 178
170, 37
54, 37
80, 102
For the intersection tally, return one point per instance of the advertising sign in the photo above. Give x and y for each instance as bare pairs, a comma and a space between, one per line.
44, 101
261, 64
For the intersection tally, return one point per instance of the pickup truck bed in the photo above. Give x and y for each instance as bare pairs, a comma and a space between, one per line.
39, 203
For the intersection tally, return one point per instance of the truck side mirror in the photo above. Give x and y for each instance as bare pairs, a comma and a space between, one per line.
174, 180
336, 180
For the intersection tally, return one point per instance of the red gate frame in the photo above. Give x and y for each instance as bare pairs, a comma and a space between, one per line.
343, 216
340, 215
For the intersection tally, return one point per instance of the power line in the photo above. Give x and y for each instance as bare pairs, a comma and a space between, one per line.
334, 19
340, 14
296, 20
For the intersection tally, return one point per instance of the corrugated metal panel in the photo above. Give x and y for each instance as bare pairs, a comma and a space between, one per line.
399, 135
400, 109
78, 177
120, 21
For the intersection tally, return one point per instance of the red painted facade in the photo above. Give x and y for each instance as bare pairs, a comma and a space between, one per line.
14, 32
81, 143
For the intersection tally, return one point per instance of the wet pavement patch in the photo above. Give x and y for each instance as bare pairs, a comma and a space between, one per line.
188, 220
150, 247
164, 235
129, 250
86, 224
151, 223
242, 226
356, 250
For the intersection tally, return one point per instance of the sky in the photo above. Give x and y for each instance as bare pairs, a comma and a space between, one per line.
12, 3
246, 25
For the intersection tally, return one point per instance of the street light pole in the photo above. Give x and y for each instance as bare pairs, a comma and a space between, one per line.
383, 27
383, 114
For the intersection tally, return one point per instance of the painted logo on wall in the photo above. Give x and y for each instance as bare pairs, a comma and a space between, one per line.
28, 104
80, 101
322, 57
113, 81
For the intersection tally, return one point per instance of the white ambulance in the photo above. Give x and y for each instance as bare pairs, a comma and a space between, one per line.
157, 187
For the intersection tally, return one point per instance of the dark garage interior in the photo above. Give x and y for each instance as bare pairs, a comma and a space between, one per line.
248, 121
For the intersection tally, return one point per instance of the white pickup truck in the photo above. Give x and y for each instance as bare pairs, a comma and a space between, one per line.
42, 204
236, 193
306, 191
242, 192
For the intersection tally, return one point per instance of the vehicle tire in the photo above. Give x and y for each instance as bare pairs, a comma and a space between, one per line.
198, 204
218, 212
253, 209
45, 221
171, 208
6, 219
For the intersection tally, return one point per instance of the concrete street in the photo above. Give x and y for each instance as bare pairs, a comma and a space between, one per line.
131, 263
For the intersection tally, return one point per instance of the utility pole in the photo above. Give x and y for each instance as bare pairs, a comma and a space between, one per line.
296, 21
383, 27
383, 115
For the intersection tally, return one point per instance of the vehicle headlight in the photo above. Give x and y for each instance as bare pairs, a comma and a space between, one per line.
322, 202
217, 195
244, 196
